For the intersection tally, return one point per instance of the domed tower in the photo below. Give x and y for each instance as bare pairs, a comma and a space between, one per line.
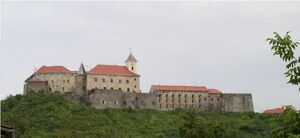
81, 81
131, 63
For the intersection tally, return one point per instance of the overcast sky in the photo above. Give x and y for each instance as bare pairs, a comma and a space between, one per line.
216, 44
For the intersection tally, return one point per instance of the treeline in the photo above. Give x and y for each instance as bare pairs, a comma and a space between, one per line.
50, 115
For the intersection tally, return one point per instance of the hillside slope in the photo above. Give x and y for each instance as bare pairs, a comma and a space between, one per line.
50, 115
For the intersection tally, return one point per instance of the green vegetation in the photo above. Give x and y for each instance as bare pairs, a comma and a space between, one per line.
50, 115
285, 48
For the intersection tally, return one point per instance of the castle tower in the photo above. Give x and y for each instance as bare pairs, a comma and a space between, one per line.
131, 63
81, 81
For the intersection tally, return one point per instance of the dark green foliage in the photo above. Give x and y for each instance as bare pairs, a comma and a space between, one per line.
285, 47
289, 125
50, 115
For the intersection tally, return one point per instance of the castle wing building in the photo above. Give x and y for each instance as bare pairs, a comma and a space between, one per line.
197, 97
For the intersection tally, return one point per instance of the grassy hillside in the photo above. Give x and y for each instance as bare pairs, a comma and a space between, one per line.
50, 115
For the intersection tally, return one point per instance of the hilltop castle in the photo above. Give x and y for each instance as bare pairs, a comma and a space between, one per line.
112, 86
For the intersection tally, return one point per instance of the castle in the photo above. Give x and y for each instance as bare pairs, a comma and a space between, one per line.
114, 86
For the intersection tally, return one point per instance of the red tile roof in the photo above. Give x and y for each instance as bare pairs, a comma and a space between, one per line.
214, 91
52, 69
274, 111
112, 70
178, 88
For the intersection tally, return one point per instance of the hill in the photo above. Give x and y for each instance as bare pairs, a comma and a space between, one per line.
50, 115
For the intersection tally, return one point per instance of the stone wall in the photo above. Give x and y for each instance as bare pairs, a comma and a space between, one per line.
237, 102
200, 101
113, 82
36, 86
101, 99
61, 82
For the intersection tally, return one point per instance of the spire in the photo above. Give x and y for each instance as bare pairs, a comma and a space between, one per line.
131, 58
81, 69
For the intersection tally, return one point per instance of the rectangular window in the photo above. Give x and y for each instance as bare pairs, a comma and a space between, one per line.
135, 79
95, 79
120, 81
103, 80
134, 86
127, 81
111, 80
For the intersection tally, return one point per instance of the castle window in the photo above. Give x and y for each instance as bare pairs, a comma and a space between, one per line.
95, 79
63, 89
111, 88
124, 103
199, 96
104, 88
103, 102
134, 86
135, 79
127, 81
120, 89
185, 106
185, 96
172, 105
68, 81
172, 100
116, 102
211, 99
136, 99
205, 99
133, 90
179, 101
111, 80
166, 105
160, 106
159, 95
128, 89
166, 100
120, 81
63, 81
172, 95
103, 80
192, 100
193, 96
131, 68
159, 100
218, 99
166, 95
199, 100
179, 95
185, 101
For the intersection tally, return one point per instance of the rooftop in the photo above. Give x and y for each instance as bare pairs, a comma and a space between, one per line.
183, 88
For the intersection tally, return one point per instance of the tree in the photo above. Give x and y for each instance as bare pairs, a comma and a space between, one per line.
193, 126
285, 48
289, 125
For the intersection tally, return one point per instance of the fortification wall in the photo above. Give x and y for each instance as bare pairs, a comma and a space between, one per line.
101, 99
36, 86
237, 102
